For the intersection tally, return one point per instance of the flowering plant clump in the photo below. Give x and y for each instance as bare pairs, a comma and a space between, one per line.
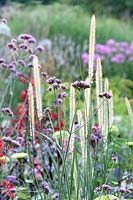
114, 54
57, 144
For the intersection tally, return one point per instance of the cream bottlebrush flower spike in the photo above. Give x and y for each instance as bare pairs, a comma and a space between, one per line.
91, 48
87, 103
36, 74
106, 85
72, 129
31, 109
129, 109
99, 89
90, 63
72, 115
90, 69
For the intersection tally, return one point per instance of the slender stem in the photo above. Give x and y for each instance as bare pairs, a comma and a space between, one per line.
132, 160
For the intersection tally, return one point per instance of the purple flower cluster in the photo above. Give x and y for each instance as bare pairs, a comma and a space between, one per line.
123, 191
85, 59
26, 37
56, 85
115, 52
8, 111
44, 74
46, 187
53, 80
80, 85
25, 48
107, 95
11, 178
106, 187
22, 63
11, 141
40, 48
62, 95
97, 190
114, 157
95, 135
23, 42
2, 60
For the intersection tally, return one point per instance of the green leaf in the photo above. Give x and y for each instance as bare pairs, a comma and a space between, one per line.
19, 155
38, 197
22, 196
61, 134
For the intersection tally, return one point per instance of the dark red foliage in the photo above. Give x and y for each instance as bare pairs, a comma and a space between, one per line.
1, 143
23, 94
22, 79
59, 126
53, 115
8, 189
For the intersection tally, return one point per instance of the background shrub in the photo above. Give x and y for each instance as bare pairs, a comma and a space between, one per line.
118, 8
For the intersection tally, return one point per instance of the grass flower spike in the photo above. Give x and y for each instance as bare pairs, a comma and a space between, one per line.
72, 115
91, 47
129, 109
37, 86
31, 109
99, 90
90, 69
